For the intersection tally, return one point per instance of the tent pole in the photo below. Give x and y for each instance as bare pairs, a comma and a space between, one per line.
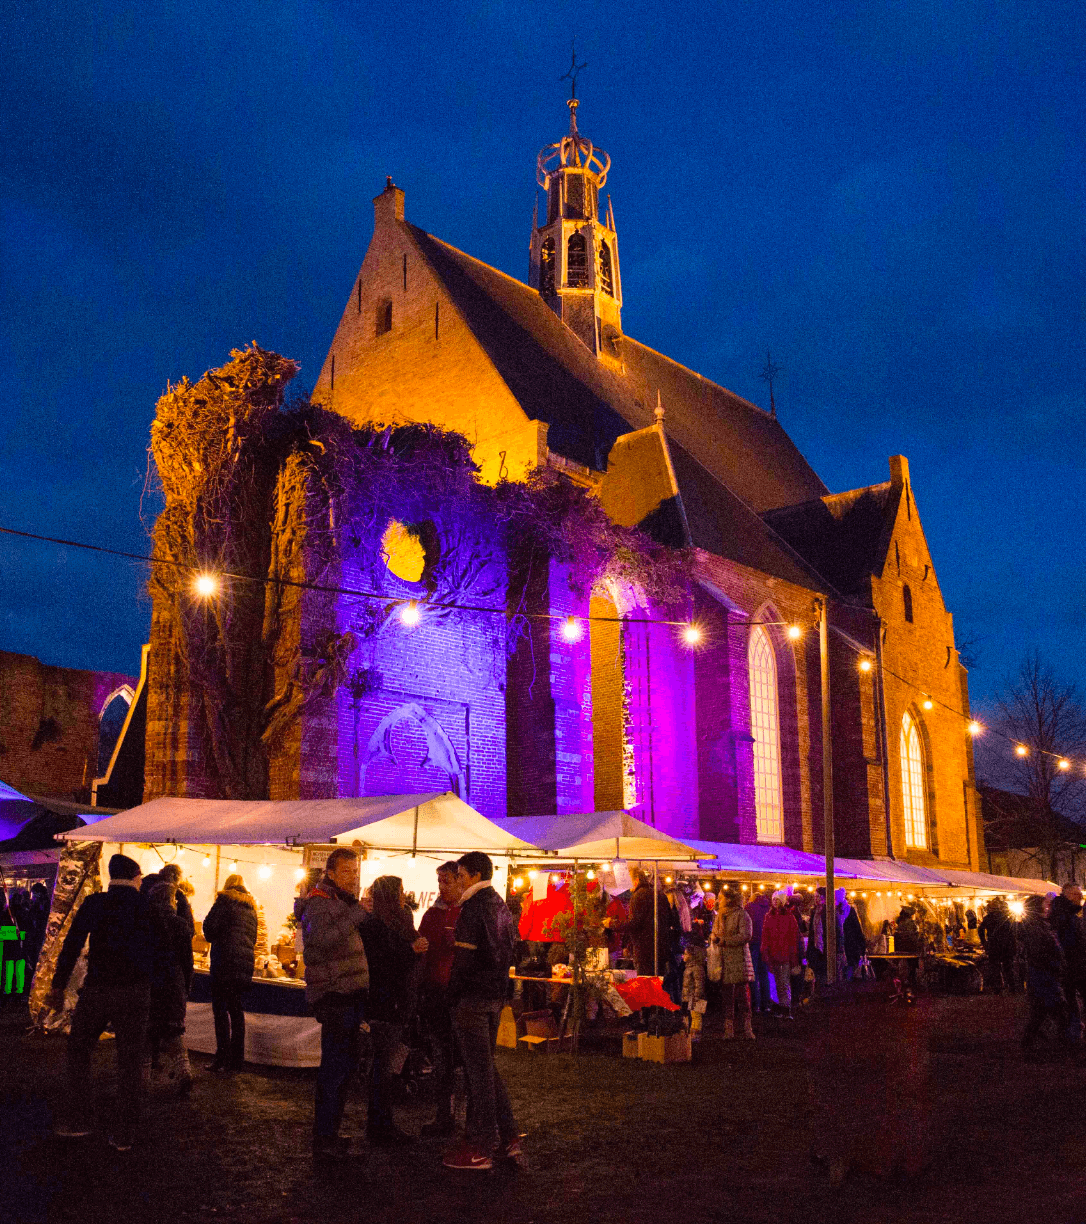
415, 833
655, 918
827, 792
218, 851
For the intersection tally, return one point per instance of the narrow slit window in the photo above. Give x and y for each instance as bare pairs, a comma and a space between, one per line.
912, 784
577, 262
607, 281
359, 295
546, 267
765, 727
907, 600
437, 320
405, 272
384, 317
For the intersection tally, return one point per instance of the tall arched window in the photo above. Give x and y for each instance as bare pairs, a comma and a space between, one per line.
912, 784
110, 725
607, 281
546, 267
576, 262
765, 726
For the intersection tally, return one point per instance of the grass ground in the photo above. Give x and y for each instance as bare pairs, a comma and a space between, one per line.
724, 1138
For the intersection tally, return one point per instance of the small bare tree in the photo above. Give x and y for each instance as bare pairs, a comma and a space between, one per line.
1046, 718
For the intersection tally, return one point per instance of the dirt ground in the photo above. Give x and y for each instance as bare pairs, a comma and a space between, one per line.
727, 1137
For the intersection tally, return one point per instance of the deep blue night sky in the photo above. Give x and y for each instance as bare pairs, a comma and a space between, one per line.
888, 195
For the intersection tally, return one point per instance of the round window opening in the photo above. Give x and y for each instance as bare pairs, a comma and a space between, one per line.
403, 552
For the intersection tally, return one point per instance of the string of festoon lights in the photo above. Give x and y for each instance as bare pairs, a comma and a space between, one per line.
202, 859
208, 584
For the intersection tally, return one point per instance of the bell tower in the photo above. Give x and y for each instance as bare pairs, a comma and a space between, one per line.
574, 255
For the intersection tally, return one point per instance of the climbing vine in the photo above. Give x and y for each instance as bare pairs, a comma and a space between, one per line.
276, 494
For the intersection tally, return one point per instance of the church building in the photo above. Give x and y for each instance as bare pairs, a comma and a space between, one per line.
706, 724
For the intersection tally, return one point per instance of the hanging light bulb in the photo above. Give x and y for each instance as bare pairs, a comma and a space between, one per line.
410, 614
205, 585
264, 871
299, 874
590, 874
691, 635
206, 861
865, 665
928, 703
232, 866
794, 632
975, 728
1063, 763
1021, 750
571, 630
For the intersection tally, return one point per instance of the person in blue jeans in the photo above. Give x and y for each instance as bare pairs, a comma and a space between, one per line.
336, 985
760, 998
478, 983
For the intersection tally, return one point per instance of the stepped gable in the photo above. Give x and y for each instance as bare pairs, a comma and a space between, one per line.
843, 535
558, 380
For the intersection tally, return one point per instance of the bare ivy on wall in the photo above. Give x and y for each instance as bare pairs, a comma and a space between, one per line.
297, 493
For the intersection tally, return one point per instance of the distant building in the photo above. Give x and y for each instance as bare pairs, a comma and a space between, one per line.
721, 741
1026, 840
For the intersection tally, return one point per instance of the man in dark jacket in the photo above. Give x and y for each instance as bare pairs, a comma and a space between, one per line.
647, 929
1000, 941
337, 979
1045, 971
1065, 917
478, 984
116, 990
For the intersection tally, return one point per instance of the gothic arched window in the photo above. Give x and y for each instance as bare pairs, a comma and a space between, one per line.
607, 281
912, 784
110, 726
907, 599
765, 727
546, 266
576, 262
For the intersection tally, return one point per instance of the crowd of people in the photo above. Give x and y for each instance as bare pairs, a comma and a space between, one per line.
370, 976
25, 911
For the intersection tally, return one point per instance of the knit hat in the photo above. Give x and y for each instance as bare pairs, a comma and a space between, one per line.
121, 867
235, 881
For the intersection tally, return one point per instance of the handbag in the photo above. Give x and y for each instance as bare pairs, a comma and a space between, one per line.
714, 962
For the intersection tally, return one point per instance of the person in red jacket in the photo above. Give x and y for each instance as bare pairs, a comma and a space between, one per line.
439, 927
781, 948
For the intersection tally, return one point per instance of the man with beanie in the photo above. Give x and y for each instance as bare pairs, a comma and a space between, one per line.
477, 988
116, 991
337, 981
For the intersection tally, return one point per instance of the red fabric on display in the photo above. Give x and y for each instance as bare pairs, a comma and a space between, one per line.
645, 992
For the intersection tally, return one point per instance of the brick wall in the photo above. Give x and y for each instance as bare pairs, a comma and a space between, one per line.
49, 725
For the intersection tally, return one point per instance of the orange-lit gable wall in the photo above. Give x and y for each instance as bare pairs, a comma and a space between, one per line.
428, 366
920, 661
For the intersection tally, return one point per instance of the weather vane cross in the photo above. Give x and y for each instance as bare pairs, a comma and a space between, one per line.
571, 75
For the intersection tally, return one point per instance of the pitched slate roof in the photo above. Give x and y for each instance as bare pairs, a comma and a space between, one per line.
843, 535
587, 405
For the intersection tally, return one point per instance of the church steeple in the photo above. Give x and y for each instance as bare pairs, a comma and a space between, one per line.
574, 255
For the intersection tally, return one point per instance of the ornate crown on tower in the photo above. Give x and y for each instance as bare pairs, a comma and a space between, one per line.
575, 151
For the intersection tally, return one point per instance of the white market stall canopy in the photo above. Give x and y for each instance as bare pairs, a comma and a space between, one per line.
979, 881
440, 823
599, 836
739, 860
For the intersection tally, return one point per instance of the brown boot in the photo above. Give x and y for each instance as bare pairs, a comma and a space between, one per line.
748, 1029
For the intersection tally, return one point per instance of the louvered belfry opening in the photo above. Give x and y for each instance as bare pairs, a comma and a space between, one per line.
577, 262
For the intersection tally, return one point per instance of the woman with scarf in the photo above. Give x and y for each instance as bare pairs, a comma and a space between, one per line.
392, 951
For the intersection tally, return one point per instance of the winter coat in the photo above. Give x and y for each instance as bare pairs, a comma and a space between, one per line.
693, 974
640, 927
118, 924
998, 935
172, 974
438, 925
335, 958
1066, 920
701, 924
757, 911
733, 930
390, 959
855, 942
907, 937
780, 938
485, 936
1045, 962
230, 928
